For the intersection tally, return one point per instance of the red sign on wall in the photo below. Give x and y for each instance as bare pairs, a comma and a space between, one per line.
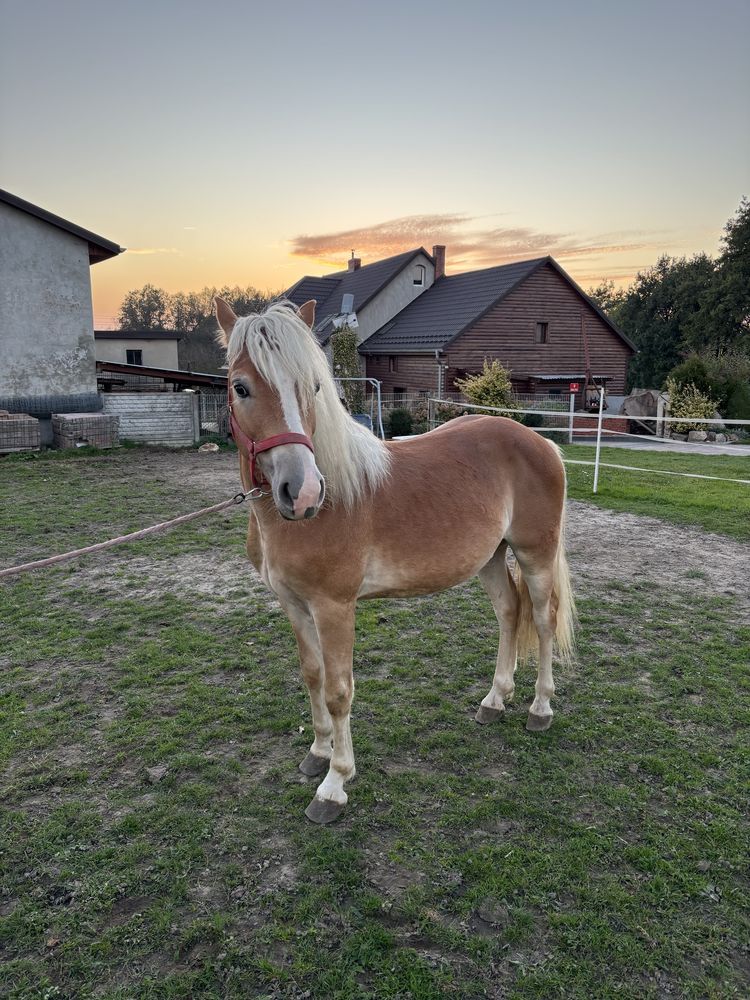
575, 386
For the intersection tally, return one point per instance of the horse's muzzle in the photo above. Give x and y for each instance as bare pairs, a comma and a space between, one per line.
297, 501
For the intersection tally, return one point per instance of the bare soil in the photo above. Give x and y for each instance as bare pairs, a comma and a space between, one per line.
602, 546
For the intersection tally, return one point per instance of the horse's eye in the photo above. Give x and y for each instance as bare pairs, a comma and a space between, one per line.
317, 387
240, 390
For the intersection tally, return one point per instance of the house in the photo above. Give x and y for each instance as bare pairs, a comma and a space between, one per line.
530, 315
379, 291
46, 319
138, 347
413, 337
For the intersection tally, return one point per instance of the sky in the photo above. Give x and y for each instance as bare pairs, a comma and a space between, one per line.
245, 143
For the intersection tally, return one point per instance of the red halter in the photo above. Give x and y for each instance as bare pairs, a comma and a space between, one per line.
253, 448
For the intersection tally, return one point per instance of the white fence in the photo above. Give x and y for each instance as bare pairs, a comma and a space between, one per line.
570, 425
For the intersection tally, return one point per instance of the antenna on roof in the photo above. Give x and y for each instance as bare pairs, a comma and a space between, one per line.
352, 255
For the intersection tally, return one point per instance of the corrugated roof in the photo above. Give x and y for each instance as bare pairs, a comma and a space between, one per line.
431, 321
99, 248
363, 284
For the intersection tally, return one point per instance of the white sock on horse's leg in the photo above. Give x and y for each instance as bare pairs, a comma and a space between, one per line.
501, 590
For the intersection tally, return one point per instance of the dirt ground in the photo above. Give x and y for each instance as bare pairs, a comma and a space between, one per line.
602, 546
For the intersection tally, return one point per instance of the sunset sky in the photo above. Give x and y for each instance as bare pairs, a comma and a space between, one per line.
237, 142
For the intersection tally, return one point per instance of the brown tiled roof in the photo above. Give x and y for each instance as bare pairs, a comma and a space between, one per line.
363, 284
454, 304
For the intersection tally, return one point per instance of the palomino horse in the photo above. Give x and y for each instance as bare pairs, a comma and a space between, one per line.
347, 516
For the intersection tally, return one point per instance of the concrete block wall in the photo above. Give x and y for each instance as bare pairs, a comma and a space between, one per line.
169, 418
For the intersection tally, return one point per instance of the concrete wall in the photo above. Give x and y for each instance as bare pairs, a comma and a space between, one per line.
393, 298
156, 353
171, 418
46, 321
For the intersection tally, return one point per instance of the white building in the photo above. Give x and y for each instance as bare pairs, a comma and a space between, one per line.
47, 357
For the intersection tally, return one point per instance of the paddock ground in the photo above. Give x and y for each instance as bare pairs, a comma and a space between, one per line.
606, 858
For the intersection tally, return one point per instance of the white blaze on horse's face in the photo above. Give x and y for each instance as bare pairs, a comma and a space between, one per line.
298, 487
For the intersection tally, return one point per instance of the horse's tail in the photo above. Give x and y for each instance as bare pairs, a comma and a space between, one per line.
562, 600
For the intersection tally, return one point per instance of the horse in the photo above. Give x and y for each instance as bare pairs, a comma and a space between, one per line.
341, 516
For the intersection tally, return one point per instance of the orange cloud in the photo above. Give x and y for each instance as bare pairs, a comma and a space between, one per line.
469, 244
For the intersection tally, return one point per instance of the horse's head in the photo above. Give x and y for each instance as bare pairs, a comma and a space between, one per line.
269, 397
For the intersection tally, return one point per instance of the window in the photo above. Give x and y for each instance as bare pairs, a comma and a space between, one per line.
392, 364
542, 329
398, 394
134, 357
419, 275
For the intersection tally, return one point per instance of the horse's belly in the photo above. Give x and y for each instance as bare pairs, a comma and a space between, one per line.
385, 578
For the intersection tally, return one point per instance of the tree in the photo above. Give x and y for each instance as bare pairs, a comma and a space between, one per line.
146, 308
729, 302
192, 315
607, 297
661, 311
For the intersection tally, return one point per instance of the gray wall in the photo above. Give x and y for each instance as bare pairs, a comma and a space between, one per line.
156, 353
46, 321
171, 418
396, 295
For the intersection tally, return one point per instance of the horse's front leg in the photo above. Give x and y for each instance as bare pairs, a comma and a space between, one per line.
311, 663
334, 622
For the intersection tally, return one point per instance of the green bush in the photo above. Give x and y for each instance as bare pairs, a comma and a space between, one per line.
691, 371
688, 401
723, 377
400, 422
532, 420
738, 403
490, 387
345, 359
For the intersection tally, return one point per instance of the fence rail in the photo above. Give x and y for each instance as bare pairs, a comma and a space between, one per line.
599, 417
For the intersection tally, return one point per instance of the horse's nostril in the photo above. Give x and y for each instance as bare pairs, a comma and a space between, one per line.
286, 494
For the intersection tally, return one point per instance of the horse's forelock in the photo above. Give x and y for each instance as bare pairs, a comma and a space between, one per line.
280, 344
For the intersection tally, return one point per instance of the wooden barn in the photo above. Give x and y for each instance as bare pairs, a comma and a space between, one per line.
530, 315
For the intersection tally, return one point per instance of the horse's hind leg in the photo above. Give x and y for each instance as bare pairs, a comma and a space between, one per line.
540, 582
498, 583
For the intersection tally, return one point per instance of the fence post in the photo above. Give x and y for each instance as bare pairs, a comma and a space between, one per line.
431, 413
598, 438
572, 408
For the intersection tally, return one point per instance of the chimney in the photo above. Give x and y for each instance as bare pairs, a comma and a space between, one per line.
438, 252
354, 262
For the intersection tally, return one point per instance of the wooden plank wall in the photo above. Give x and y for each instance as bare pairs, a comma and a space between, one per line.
508, 332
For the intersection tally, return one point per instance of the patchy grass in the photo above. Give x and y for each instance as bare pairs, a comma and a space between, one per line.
605, 858
715, 506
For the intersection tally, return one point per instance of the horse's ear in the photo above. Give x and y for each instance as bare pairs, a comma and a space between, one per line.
227, 319
307, 312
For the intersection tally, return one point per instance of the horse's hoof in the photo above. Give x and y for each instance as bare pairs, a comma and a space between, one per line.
313, 765
538, 723
324, 811
485, 715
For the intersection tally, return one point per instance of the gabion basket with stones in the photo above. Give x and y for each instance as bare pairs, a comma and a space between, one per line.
78, 430
19, 432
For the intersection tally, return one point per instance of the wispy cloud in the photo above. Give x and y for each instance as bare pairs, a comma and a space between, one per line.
152, 250
470, 243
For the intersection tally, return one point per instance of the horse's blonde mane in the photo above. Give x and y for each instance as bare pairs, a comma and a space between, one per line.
350, 458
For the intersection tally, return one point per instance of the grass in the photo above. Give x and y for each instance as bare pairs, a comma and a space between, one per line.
602, 859
714, 506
